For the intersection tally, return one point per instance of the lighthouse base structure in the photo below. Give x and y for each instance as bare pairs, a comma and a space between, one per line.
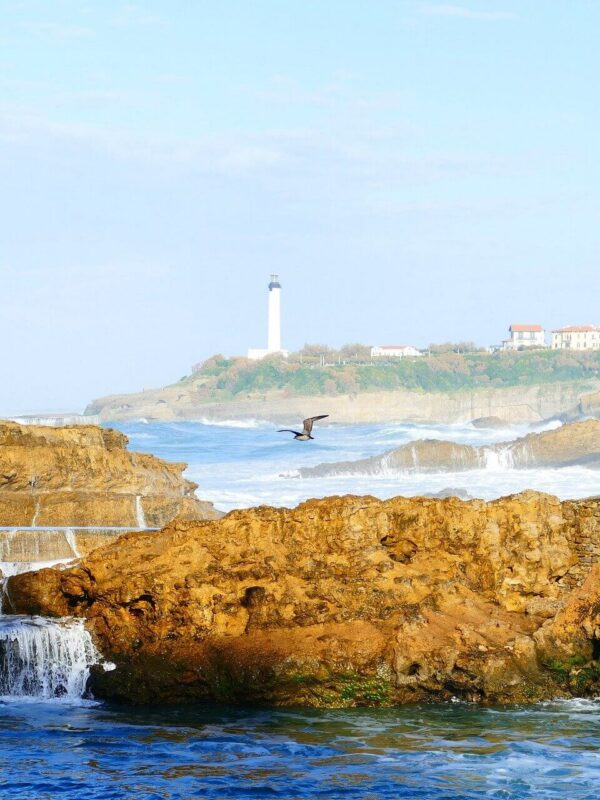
256, 353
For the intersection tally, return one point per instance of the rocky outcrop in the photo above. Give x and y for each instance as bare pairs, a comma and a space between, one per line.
24, 549
571, 444
577, 443
587, 406
85, 476
344, 601
490, 423
424, 455
516, 404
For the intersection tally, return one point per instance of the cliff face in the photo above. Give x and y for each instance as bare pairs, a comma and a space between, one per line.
84, 475
513, 405
344, 601
574, 443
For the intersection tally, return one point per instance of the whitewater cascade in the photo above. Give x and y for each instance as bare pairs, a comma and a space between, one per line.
44, 658
498, 458
139, 512
40, 658
72, 541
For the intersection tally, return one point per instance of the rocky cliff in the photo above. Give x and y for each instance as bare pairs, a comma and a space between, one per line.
512, 405
345, 601
576, 443
85, 476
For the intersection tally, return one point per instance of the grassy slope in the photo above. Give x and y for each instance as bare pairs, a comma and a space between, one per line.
222, 379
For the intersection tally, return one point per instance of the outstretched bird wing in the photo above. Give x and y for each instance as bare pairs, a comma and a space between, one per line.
287, 430
308, 423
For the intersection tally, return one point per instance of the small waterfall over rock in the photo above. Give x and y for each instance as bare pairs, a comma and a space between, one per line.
41, 658
497, 458
72, 541
139, 512
44, 658
414, 457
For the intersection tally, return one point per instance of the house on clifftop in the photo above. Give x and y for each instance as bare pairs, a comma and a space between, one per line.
521, 336
394, 351
576, 337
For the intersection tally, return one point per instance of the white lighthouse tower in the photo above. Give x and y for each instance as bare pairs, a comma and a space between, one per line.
273, 324
274, 332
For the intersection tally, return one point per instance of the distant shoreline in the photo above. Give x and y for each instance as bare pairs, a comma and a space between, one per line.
512, 404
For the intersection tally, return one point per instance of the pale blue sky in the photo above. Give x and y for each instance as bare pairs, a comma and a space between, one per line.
415, 171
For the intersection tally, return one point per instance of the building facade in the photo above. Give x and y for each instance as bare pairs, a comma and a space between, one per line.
521, 336
576, 337
395, 351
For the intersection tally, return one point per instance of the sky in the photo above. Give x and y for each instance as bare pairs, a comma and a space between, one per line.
415, 172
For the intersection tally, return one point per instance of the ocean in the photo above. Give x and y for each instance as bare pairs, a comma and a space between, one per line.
243, 464
72, 747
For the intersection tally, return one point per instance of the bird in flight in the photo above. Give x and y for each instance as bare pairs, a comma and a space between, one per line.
304, 434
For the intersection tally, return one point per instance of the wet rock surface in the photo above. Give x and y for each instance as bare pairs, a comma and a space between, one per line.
83, 475
344, 601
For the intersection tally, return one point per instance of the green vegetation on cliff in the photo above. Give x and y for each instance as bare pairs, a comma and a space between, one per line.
221, 378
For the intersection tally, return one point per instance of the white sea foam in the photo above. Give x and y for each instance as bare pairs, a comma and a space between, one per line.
237, 467
235, 423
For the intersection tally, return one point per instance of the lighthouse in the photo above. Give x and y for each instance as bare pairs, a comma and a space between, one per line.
273, 324
274, 331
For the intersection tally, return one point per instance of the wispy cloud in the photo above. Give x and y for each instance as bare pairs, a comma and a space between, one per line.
365, 156
340, 92
463, 12
135, 16
58, 32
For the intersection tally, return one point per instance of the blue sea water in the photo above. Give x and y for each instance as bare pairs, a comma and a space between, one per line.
454, 751
439, 752
242, 464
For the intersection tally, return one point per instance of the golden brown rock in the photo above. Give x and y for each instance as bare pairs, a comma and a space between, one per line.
82, 475
346, 600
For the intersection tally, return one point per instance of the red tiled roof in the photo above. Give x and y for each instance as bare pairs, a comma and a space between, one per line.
576, 329
526, 328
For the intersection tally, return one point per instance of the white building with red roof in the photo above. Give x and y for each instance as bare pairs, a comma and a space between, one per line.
522, 336
395, 351
576, 337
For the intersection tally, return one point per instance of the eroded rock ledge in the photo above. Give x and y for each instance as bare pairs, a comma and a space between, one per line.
83, 475
345, 601
577, 443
